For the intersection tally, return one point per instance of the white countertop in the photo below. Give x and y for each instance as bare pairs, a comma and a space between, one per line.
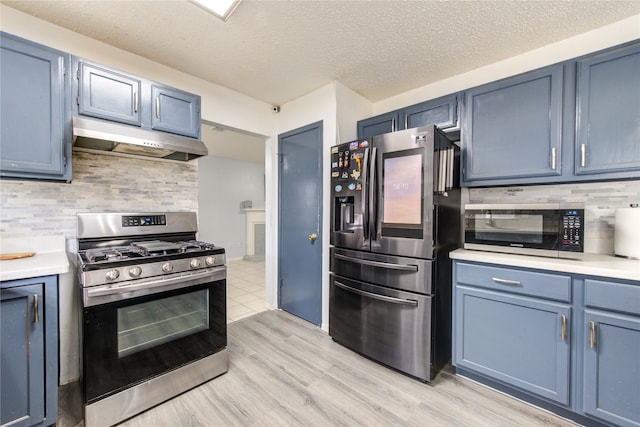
591, 264
50, 258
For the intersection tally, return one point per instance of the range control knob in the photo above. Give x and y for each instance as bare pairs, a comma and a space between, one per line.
112, 274
135, 271
195, 263
167, 267
210, 260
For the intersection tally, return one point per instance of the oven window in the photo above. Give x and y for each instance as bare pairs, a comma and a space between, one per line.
152, 323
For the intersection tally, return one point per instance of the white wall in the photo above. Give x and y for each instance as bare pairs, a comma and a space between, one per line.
350, 107
223, 184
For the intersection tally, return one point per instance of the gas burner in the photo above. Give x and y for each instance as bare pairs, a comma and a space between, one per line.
116, 253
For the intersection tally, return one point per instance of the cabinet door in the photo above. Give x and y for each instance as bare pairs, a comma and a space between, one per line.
175, 111
523, 342
23, 365
35, 125
108, 94
379, 125
612, 367
608, 106
512, 128
442, 112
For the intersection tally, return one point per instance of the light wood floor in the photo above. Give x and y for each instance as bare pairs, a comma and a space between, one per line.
286, 372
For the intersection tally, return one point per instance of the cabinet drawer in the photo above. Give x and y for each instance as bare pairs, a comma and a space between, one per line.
541, 285
616, 296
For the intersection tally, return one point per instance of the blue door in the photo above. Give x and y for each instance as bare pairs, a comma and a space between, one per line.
299, 228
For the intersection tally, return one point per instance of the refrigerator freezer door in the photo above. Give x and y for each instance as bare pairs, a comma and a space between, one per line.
389, 326
407, 274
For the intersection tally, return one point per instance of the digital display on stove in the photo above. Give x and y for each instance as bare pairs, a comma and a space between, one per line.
143, 220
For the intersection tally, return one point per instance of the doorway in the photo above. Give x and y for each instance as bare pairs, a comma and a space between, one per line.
231, 183
300, 222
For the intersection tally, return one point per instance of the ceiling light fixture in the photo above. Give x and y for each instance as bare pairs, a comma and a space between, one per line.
220, 8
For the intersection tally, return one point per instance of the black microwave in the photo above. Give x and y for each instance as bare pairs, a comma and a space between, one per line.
544, 229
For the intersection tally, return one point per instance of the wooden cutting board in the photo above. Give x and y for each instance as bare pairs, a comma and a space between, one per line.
18, 255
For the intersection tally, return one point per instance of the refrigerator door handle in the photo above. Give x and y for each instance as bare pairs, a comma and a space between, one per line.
385, 298
373, 195
387, 265
364, 198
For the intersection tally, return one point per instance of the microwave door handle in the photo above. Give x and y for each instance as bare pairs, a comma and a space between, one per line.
364, 196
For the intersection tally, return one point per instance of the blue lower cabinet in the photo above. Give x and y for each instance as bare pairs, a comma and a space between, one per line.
29, 345
520, 341
567, 342
612, 367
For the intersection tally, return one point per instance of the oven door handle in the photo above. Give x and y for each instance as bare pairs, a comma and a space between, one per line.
385, 298
102, 294
389, 265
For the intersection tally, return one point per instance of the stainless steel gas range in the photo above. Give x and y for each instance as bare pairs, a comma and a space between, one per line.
153, 311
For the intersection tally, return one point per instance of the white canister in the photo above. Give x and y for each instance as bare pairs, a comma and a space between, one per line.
626, 240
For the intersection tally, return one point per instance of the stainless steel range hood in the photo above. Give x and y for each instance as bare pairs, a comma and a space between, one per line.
104, 137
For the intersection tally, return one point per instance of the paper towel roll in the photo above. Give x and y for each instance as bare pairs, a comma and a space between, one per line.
626, 240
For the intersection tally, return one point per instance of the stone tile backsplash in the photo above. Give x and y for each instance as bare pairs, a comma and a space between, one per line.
601, 200
100, 183
118, 184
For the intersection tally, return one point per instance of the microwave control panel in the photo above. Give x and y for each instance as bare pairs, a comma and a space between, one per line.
572, 230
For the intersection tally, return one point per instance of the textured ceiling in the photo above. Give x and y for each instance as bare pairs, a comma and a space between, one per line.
276, 51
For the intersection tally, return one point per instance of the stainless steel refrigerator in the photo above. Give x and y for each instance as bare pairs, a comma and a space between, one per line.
395, 217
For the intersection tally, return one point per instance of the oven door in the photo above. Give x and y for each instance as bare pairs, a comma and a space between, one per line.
131, 340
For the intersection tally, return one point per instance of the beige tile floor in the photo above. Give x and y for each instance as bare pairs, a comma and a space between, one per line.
245, 289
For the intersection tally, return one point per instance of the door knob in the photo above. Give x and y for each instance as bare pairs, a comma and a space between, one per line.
313, 237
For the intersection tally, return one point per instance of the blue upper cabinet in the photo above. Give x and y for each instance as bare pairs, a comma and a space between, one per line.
608, 112
113, 95
108, 94
512, 129
35, 116
378, 125
442, 112
175, 111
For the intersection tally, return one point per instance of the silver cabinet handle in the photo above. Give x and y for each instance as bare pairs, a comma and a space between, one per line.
388, 265
135, 101
385, 298
157, 107
506, 282
553, 158
393, 124
592, 334
583, 155
563, 333
36, 316
406, 121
